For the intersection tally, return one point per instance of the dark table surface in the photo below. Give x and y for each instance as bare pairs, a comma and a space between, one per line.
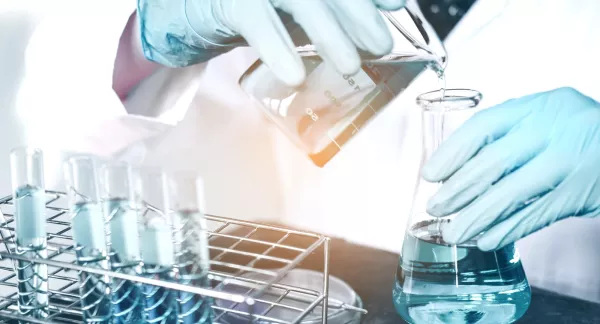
371, 273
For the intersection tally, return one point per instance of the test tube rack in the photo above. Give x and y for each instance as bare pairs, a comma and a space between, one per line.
231, 257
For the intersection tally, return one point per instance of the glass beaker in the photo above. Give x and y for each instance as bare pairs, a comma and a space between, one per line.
441, 283
329, 108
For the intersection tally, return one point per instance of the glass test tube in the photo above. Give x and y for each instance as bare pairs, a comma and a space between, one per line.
156, 247
29, 197
90, 238
191, 246
121, 214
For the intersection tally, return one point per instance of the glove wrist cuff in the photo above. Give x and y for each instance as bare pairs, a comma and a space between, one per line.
204, 18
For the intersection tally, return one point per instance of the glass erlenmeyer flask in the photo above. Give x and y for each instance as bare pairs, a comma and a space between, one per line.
441, 283
329, 109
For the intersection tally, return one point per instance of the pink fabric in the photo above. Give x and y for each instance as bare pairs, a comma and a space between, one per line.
131, 67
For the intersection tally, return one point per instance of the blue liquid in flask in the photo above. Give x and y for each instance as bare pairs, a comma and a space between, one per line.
127, 296
438, 283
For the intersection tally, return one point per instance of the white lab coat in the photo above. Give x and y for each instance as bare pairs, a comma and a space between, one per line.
504, 49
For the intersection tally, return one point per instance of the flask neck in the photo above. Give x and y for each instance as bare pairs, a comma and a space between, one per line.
443, 112
433, 131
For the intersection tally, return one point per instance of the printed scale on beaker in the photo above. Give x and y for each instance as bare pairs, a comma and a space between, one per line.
329, 109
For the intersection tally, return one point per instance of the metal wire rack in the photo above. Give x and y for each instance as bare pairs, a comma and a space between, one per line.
245, 284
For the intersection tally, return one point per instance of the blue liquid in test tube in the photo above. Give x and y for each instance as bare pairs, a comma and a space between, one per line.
120, 211
124, 255
157, 247
88, 226
29, 198
157, 252
191, 247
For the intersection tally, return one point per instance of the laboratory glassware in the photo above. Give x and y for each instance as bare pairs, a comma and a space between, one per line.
323, 114
157, 248
273, 252
191, 245
89, 234
437, 282
122, 217
29, 197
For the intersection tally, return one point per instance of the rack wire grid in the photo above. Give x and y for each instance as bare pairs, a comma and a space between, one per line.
245, 284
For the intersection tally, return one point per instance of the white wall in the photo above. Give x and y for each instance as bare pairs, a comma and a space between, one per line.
18, 20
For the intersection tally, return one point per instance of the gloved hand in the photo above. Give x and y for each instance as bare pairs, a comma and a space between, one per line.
183, 32
517, 167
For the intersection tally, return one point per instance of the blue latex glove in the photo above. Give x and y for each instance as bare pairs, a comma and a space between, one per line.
183, 32
517, 167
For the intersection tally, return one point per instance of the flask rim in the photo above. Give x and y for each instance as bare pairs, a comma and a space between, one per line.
449, 99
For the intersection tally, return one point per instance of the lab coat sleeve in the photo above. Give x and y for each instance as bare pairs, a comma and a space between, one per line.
66, 102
